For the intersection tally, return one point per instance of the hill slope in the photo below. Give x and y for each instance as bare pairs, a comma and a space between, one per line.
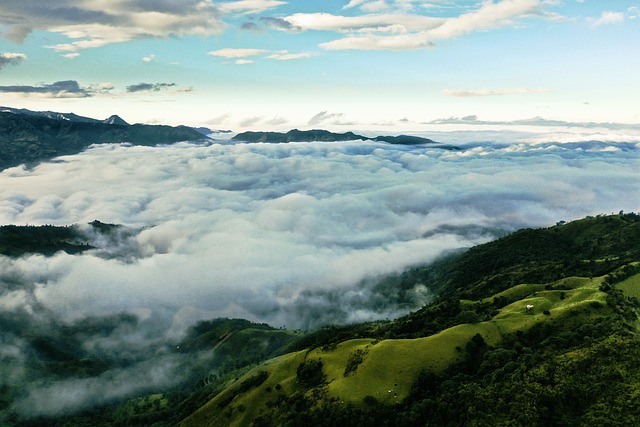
510, 352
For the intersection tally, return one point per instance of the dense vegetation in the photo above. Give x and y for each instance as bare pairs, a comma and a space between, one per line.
537, 328
48, 239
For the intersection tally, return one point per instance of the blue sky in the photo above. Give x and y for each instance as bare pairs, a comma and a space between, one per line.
276, 64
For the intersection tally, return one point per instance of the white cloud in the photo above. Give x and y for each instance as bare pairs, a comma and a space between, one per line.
250, 6
375, 6
97, 23
287, 56
489, 16
280, 55
150, 58
354, 3
607, 18
380, 23
71, 55
491, 92
237, 53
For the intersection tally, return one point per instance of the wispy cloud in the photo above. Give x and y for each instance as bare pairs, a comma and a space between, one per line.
242, 54
607, 18
400, 31
149, 87
250, 6
492, 92
286, 56
219, 120
11, 58
377, 23
237, 53
250, 121
328, 118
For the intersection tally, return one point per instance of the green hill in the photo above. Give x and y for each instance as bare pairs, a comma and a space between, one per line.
562, 350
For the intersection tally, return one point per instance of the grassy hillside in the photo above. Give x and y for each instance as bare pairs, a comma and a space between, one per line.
506, 352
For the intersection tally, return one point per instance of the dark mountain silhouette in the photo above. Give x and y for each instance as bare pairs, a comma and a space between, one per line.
321, 135
28, 136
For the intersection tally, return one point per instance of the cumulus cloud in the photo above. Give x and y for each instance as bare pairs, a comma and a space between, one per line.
150, 58
11, 58
98, 23
149, 87
61, 89
492, 92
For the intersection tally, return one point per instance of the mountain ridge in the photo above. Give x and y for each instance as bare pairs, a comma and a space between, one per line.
30, 137
322, 135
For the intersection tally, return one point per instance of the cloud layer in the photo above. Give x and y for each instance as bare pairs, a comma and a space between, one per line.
292, 234
246, 230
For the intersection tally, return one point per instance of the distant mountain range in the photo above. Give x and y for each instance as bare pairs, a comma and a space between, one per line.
319, 135
33, 136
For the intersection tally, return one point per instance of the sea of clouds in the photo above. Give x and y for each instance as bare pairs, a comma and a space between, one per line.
254, 230
291, 234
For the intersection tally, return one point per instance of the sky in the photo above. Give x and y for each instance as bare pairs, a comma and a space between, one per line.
339, 64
